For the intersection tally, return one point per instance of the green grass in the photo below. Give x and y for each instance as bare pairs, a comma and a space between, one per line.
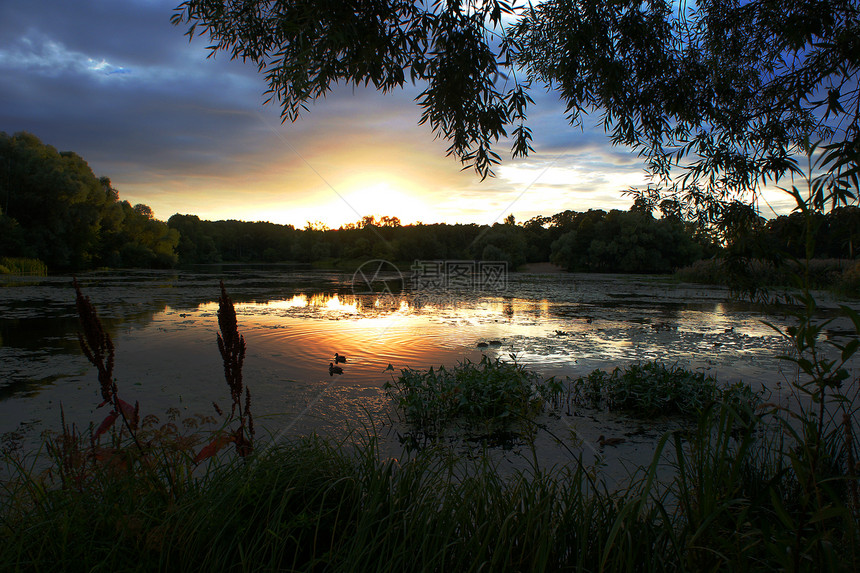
312, 505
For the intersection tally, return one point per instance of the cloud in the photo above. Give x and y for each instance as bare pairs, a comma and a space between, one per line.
115, 82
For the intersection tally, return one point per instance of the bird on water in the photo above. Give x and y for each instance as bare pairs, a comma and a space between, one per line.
603, 441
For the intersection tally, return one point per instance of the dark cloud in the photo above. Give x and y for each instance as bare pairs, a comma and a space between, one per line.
132, 32
117, 83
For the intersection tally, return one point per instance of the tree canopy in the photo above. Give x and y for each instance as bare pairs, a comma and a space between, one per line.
727, 93
719, 96
56, 210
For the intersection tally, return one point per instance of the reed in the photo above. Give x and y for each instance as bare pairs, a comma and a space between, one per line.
839, 275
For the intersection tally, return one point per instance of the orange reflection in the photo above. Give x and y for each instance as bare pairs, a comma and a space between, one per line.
298, 336
334, 303
298, 301
364, 306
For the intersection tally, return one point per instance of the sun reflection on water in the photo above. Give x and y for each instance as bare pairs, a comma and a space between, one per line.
293, 324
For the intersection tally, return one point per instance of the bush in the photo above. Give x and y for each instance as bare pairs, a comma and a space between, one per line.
653, 388
839, 274
491, 393
704, 271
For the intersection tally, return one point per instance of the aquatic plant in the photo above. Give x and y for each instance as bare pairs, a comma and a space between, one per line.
655, 389
492, 393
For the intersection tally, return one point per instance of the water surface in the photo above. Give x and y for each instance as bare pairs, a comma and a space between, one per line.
164, 327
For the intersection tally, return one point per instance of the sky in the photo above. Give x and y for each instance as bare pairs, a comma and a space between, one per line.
118, 84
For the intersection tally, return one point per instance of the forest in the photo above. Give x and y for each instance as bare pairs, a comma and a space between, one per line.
54, 209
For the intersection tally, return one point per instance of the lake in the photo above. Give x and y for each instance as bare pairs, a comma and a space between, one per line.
164, 326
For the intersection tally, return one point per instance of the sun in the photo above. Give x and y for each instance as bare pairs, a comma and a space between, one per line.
378, 198
349, 199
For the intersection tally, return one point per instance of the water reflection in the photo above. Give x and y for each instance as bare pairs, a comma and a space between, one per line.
164, 328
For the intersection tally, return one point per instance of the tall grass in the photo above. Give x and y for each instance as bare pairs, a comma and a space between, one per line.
22, 266
313, 505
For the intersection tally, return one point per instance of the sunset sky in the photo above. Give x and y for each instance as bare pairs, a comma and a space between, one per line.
115, 82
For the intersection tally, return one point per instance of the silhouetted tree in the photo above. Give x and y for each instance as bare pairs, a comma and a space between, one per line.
60, 212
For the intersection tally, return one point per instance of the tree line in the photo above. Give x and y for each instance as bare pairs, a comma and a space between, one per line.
633, 241
53, 208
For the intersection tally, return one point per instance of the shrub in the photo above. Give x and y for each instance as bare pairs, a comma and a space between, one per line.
838, 274
491, 393
654, 388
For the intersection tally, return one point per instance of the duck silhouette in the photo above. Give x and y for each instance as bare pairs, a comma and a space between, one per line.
338, 358
603, 441
332, 369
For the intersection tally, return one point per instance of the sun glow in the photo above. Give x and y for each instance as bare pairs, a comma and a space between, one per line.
368, 197
298, 301
335, 304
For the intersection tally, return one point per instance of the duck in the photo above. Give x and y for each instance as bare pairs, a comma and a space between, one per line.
339, 358
332, 369
603, 441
